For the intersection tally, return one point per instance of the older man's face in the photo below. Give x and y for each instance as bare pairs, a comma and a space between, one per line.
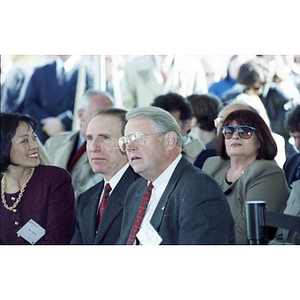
150, 159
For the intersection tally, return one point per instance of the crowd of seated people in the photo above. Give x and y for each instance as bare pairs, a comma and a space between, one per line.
177, 147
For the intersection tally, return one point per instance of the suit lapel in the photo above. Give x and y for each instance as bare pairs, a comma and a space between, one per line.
114, 205
90, 212
172, 80
159, 211
150, 77
65, 150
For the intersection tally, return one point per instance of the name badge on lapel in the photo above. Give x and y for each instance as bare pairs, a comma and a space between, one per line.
31, 232
147, 235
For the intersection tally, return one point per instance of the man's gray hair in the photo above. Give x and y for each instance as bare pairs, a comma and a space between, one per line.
163, 120
85, 99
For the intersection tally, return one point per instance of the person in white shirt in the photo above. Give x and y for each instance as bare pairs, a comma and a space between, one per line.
148, 76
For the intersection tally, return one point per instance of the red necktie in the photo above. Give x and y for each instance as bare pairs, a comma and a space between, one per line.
76, 156
163, 74
140, 215
105, 197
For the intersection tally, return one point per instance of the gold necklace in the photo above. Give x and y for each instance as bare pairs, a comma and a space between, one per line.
3, 184
236, 178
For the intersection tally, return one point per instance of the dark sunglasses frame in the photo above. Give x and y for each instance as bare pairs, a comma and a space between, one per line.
239, 130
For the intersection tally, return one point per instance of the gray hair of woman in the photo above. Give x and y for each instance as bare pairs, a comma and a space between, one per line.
163, 120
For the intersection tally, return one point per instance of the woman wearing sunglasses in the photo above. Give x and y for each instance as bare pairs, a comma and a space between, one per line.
245, 167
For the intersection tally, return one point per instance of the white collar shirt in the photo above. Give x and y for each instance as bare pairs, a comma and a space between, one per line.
68, 65
165, 63
113, 182
160, 185
81, 140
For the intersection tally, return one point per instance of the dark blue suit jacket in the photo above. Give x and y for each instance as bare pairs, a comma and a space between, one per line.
204, 154
291, 168
45, 98
110, 223
192, 210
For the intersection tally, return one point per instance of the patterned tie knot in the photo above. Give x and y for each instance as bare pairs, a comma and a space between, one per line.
107, 190
149, 188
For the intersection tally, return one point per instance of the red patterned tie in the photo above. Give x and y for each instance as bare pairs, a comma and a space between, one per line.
76, 156
105, 197
140, 215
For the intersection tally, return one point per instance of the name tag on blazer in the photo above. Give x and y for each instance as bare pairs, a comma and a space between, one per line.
147, 235
31, 232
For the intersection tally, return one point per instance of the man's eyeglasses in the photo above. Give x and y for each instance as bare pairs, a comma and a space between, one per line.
244, 132
137, 138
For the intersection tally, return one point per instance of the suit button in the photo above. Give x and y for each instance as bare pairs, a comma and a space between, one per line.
18, 235
16, 223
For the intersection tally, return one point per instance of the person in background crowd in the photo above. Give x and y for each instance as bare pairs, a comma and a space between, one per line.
245, 167
14, 82
218, 88
284, 236
67, 149
148, 76
100, 209
181, 110
205, 110
242, 101
50, 96
182, 205
292, 164
32, 194
254, 77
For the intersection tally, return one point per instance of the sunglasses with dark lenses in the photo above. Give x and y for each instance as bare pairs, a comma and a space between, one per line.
244, 132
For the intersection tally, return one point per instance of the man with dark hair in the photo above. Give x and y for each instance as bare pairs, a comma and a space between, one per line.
205, 110
68, 149
99, 210
292, 164
181, 110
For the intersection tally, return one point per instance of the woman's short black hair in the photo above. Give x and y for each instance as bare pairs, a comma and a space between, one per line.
9, 124
267, 145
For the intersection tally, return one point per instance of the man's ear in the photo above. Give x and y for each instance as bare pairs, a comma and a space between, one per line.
171, 140
194, 122
80, 114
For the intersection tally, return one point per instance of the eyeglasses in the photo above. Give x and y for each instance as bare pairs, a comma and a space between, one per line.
244, 132
218, 121
137, 138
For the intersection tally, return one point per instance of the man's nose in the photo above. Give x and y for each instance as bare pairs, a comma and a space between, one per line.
130, 146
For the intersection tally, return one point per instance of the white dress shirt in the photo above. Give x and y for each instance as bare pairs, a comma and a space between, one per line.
113, 182
160, 185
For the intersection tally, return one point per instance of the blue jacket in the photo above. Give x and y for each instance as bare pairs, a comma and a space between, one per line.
292, 168
45, 98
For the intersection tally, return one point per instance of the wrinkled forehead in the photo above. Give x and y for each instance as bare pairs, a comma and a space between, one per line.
104, 123
140, 124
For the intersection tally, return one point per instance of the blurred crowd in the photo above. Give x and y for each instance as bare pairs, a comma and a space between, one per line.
66, 99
